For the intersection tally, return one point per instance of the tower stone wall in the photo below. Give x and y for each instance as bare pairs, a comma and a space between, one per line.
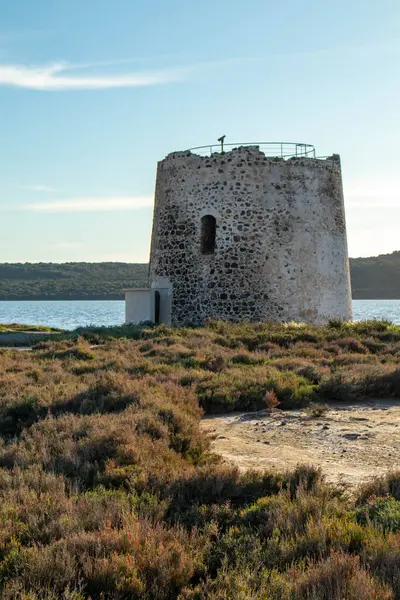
279, 248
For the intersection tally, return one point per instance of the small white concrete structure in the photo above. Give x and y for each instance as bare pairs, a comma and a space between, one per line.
139, 305
148, 304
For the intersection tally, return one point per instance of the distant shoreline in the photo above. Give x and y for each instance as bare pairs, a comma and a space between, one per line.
373, 278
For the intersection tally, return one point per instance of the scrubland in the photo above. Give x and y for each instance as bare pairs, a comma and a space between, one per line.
109, 489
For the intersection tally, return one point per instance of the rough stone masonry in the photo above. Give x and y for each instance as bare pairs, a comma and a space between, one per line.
241, 236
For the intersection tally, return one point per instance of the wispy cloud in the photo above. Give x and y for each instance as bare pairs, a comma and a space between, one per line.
85, 204
54, 77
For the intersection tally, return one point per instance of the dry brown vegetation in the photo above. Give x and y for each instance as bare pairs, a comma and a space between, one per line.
108, 488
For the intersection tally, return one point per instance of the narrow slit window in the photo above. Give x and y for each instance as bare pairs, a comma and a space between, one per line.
208, 232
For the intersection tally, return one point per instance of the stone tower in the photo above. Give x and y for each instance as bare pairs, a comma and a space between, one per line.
243, 235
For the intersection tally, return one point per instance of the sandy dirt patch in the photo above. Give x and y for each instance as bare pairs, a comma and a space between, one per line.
351, 443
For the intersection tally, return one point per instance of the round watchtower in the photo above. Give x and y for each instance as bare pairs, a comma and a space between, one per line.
253, 233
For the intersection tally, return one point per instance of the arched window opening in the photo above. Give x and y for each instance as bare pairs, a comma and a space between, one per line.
208, 232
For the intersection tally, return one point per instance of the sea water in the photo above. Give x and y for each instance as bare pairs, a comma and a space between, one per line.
69, 314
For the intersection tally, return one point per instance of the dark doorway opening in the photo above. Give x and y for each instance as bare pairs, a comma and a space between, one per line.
208, 233
157, 299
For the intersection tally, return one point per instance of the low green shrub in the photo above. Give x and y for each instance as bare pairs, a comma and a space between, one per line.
381, 512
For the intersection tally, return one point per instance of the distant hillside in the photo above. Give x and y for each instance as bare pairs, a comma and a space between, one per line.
375, 277
69, 281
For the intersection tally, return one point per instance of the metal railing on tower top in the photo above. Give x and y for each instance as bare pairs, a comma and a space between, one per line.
272, 149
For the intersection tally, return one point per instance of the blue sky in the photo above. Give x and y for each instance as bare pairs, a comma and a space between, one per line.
93, 93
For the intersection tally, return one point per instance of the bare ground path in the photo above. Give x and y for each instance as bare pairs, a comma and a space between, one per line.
351, 442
